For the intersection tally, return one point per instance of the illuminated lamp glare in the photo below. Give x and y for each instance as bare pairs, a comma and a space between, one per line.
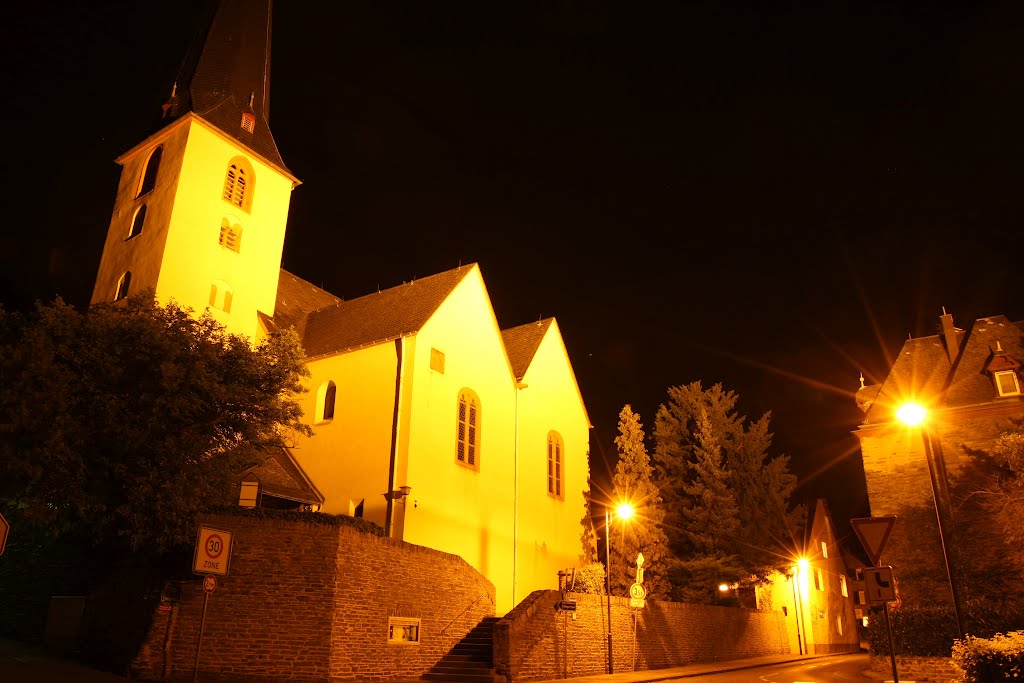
911, 414
624, 511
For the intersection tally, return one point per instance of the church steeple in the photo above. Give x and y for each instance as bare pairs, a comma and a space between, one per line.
225, 77
202, 206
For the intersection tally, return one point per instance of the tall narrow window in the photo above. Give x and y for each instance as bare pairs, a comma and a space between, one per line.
137, 222
468, 431
122, 286
238, 183
249, 492
325, 399
555, 448
149, 177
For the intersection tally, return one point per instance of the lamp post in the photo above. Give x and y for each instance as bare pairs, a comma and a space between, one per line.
798, 572
913, 415
624, 511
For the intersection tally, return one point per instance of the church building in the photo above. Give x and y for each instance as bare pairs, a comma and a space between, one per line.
428, 418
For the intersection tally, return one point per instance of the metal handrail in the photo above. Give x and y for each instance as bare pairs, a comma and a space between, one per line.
468, 607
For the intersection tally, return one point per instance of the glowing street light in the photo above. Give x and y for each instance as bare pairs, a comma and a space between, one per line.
914, 415
798, 571
624, 512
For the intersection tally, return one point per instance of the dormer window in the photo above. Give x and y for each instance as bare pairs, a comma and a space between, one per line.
1007, 383
1003, 367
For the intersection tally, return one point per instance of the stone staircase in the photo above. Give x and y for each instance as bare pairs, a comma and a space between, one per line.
471, 660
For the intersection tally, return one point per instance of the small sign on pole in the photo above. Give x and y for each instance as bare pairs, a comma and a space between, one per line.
213, 551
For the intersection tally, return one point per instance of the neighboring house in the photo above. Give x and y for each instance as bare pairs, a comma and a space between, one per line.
816, 592
970, 383
428, 418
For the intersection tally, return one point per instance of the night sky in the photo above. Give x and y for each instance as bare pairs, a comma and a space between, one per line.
768, 195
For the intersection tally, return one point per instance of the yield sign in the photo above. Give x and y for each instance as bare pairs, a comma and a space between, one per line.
873, 532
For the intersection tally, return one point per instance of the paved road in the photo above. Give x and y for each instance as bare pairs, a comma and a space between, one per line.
838, 669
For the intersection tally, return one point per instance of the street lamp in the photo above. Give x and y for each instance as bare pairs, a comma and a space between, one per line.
799, 570
914, 415
624, 511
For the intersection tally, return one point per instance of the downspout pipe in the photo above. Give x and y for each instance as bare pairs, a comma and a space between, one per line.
399, 369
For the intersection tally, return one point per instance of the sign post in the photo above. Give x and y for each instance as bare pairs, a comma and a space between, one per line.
879, 586
212, 559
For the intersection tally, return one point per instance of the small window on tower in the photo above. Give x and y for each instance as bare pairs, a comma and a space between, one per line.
137, 222
149, 176
230, 235
248, 122
238, 183
122, 286
220, 296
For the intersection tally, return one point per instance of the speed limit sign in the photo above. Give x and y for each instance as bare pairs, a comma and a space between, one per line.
213, 551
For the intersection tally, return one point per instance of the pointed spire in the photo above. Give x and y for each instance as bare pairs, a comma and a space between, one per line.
225, 77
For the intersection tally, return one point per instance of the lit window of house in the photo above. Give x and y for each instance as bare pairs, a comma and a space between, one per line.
1007, 383
468, 430
249, 493
555, 449
819, 580
824, 550
842, 585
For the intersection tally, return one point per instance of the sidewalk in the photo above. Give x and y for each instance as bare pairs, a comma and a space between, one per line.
22, 663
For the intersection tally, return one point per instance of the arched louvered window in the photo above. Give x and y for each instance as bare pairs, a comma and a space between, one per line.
468, 430
555, 464
152, 167
325, 398
238, 183
137, 222
122, 286
230, 235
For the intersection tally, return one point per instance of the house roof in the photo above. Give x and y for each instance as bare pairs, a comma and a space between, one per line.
280, 476
226, 73
923, 369
522, 342
327, 324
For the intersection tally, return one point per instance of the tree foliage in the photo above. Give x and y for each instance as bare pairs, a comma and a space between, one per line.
728, 515
633, 482
1007, 501
127, 420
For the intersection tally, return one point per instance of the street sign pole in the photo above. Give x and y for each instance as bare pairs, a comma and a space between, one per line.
199, 644
892, 650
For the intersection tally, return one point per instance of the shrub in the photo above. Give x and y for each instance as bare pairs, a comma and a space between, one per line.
987, 660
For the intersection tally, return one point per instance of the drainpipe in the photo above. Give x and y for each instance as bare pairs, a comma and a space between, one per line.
399, 369
515, 493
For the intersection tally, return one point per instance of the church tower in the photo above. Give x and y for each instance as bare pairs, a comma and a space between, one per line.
202, 204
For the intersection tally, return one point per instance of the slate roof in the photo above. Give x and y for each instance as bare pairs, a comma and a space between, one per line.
227, 73
327, 324
521, 344
280, 476
922, 369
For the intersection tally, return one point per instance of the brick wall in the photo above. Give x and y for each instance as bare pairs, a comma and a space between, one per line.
537, 642
306, 602
939, 669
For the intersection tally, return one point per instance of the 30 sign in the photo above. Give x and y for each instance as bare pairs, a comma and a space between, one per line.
213, 551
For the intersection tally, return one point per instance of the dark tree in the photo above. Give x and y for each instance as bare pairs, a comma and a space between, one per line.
127, 420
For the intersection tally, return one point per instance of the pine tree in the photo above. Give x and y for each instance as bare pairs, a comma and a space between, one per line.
633, 482
728, 501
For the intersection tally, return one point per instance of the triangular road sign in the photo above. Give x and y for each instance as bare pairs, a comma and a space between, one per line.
873, 532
